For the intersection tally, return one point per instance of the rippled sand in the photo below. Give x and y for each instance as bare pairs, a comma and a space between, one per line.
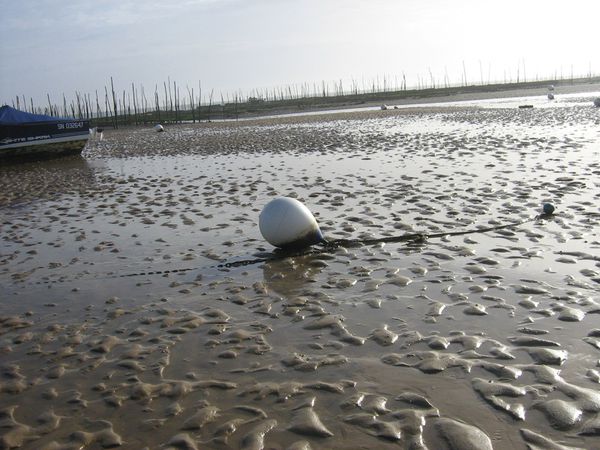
118, 328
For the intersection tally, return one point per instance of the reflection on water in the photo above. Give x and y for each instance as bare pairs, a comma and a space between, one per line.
44, 179
290, 276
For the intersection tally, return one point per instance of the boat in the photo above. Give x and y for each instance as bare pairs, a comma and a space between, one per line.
24, 134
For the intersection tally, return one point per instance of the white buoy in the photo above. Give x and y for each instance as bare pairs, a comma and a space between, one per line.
158, 128
384, 107
286, 223
550, 96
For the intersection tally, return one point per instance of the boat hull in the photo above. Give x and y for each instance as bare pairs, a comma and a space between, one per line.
43, 139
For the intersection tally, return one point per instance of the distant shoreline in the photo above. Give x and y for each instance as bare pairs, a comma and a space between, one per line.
255, 108
441, 95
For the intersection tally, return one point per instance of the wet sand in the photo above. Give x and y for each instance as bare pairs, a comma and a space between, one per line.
119, 329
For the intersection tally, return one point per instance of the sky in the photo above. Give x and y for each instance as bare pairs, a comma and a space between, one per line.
67, 46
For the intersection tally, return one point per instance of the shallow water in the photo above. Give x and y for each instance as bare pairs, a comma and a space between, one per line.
119, 328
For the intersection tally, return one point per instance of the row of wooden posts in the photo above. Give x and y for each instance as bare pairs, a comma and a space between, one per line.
132, 107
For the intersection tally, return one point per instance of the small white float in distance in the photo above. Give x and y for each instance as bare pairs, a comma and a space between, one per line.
158, 128
286, 223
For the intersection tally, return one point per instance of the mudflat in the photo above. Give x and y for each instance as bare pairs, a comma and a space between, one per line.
125, 320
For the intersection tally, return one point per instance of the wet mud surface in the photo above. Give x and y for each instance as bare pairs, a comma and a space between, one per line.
119, 329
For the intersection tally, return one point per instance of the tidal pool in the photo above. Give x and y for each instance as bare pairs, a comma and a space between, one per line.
120, 326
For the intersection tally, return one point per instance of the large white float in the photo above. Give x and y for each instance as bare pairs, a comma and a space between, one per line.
286, 223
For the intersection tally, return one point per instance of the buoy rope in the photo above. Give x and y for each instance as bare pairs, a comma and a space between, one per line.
418, 237
326, 247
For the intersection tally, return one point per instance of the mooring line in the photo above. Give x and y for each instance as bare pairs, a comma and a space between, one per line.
326, 247
421, 237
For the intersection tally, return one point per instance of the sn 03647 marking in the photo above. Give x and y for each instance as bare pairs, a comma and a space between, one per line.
69, 125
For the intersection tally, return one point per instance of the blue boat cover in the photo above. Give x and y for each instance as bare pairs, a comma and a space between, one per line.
12, 116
